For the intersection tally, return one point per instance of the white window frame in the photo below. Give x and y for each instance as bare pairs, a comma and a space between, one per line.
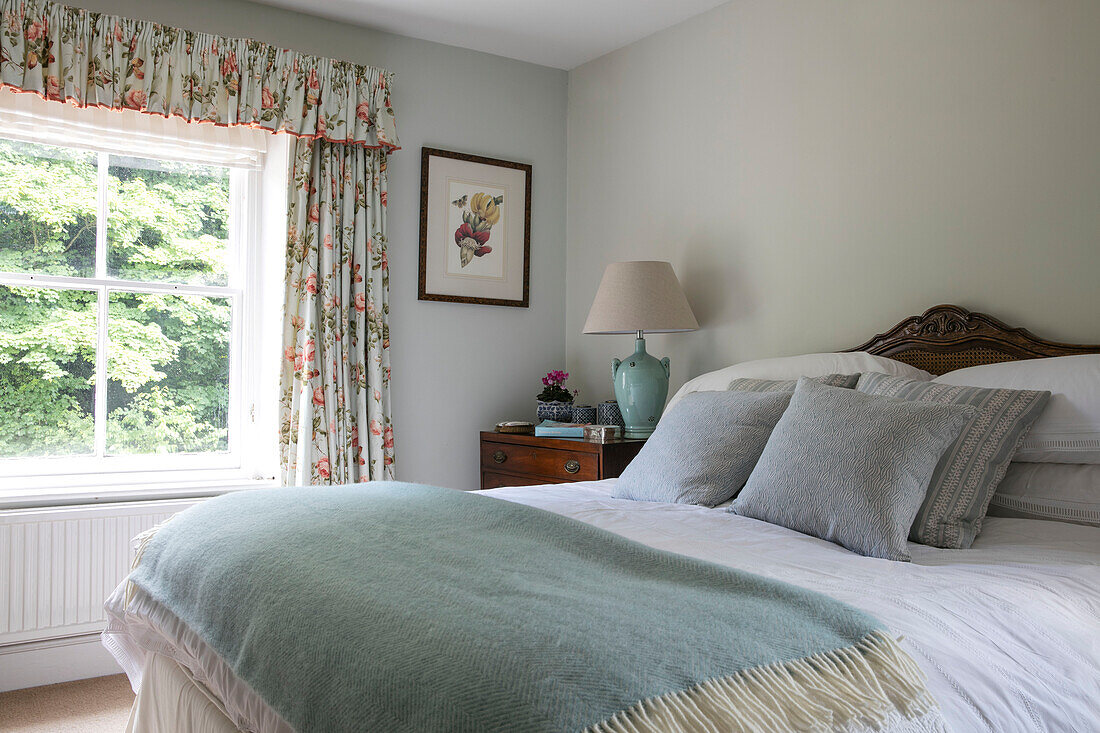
250, 458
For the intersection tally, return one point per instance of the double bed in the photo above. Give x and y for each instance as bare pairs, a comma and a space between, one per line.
1006, 633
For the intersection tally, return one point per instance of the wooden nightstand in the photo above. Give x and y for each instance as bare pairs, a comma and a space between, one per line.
524, 460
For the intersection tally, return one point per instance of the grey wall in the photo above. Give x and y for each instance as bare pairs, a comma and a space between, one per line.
457, 369
816, 171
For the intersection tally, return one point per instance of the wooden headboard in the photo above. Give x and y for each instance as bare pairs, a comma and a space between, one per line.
948, 337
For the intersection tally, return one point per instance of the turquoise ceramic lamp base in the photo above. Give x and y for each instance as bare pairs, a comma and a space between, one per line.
641, 387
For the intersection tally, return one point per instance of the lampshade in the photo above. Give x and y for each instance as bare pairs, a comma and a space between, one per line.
640, 296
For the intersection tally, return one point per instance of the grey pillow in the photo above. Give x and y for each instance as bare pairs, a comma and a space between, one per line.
703, 449
1061, 492
970, 470
850, 468
747, 384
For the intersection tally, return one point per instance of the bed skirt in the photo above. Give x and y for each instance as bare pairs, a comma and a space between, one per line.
171, 701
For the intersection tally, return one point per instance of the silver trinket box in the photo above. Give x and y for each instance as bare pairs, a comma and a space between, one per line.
602, 433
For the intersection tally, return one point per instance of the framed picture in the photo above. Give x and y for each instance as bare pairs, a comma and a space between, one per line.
475, 229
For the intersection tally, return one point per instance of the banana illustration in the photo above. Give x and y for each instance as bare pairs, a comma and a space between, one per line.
485, 206
473, 235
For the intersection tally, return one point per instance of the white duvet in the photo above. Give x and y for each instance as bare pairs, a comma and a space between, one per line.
1007, 632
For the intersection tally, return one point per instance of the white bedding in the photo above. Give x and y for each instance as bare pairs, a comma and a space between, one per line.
1007, 632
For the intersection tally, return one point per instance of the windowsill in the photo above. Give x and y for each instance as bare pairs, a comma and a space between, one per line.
160, 488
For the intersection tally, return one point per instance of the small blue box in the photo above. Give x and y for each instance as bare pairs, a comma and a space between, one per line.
584, 414
607, 413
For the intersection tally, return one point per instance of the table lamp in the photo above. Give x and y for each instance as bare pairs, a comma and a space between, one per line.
635, 297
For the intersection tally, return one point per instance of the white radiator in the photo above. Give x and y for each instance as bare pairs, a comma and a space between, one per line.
58, 565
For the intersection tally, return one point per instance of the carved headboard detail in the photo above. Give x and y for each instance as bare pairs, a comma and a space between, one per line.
948, 337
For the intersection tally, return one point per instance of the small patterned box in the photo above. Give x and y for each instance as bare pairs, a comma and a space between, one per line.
607, 413
584, 414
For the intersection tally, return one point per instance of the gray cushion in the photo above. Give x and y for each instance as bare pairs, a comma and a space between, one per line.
849, 467
969, 472
746, 384
1061, 492
703, 449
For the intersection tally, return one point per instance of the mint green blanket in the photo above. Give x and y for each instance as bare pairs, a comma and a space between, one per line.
400, 607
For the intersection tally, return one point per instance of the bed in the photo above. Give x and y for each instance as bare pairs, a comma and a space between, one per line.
1007, 633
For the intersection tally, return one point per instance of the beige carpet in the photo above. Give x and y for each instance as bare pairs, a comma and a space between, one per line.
97, 705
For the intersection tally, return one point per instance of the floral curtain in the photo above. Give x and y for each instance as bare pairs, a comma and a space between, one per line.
334, 421
92, 59
334, 418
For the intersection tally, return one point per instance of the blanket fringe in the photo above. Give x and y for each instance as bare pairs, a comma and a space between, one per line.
869, 683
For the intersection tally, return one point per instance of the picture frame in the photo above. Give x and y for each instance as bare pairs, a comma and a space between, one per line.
475, 229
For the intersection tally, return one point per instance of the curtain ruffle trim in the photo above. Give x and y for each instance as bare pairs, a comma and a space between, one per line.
91, 59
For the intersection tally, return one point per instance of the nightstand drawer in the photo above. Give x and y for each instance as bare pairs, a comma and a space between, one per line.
494, 480
561, 464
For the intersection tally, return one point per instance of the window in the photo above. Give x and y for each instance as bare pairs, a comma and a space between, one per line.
126, 282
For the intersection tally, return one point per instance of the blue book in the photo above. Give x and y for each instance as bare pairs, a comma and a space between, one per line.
552, 429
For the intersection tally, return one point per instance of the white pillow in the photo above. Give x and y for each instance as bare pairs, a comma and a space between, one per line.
793, 367
1068, 431
1061, 492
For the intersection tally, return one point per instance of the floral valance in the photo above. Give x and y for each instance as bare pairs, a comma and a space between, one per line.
92, 59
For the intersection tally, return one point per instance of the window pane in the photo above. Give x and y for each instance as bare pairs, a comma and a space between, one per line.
167, 221
47, 367
47, 209
168, 374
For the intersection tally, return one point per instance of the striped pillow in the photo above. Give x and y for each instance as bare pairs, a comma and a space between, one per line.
967, 475
746, 384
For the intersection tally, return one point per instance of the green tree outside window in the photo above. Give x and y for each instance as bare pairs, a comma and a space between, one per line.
167, 361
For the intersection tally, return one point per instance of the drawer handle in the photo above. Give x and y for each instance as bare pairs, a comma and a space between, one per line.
500, 457
572, 466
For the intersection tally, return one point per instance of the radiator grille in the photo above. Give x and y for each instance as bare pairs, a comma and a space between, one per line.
57, 566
